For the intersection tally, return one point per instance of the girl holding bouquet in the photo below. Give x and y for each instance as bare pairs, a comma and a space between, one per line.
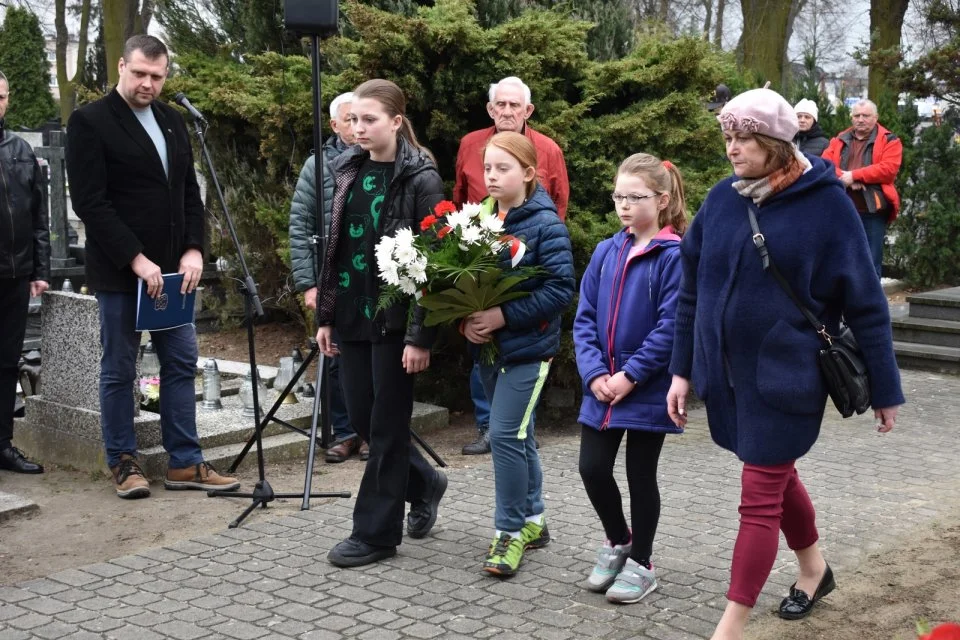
385, 183
623, 334
527, 332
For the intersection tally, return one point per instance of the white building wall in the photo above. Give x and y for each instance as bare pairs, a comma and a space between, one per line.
72, 52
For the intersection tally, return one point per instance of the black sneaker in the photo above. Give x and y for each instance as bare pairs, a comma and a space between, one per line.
478, 447
423, 515
12, 459
357, 553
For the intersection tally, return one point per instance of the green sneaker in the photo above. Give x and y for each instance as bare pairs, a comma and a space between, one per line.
504, 556
535, 536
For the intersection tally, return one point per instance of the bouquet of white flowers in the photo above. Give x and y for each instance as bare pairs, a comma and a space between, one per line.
452, 268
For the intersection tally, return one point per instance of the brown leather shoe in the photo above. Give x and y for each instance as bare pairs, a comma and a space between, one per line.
364, 451
201, 476
130, 479
342, 451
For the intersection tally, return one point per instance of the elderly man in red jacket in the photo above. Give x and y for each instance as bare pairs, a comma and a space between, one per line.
509, 108
867, 158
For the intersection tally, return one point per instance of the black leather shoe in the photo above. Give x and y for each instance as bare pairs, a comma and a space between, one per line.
799, 605
478, 447
12, 459
423, 515
357, 553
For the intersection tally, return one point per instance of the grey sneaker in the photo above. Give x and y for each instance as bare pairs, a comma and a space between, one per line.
633, 584
610, 561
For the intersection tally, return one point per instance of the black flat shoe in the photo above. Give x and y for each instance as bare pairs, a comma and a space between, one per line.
423, 515
799, 605
12, 459
357, 553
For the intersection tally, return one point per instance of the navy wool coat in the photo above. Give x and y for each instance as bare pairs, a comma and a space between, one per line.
750, 352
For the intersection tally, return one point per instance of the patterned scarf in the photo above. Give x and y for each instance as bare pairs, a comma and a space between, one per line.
761, 189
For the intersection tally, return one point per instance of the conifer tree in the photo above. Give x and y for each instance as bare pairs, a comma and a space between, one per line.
23, 59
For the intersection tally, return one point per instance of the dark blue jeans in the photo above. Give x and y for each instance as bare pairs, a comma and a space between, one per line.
481, 406
875, 224
177, 352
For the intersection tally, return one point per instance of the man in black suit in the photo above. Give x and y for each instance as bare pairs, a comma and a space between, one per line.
133, 184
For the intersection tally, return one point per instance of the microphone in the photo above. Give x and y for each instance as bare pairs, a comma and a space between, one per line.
181, 100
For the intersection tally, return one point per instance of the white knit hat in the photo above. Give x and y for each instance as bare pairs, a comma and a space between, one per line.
808, 107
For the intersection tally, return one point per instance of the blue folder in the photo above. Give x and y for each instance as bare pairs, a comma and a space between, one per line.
169, 310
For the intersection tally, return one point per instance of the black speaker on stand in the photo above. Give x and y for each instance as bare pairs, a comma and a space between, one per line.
311, 17
316, 18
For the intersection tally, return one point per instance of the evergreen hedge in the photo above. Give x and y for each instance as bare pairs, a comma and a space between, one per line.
599, 112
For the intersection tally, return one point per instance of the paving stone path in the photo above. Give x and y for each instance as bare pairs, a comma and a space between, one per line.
269, 579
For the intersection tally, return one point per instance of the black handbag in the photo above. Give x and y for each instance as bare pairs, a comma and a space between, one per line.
841, 361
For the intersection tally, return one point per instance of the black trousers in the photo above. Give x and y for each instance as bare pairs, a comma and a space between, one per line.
379, 398
14, 299
598, 454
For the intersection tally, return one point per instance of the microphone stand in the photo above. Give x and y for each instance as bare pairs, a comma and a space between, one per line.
252, 308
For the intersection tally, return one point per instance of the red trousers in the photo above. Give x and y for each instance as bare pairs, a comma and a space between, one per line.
772, 499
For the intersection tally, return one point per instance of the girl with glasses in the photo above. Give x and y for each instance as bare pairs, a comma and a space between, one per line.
623, 334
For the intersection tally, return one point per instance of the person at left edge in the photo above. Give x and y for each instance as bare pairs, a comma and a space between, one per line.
24, 269
134, 187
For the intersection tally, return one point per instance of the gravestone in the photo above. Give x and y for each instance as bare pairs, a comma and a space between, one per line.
62, 423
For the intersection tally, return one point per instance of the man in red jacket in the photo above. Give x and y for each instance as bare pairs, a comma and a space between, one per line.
867, 158
509, 108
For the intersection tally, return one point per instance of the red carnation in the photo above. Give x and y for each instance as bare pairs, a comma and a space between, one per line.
946, 631
444, 207
427, 222
447, 229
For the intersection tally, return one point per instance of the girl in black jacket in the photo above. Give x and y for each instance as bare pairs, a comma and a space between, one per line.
385, 183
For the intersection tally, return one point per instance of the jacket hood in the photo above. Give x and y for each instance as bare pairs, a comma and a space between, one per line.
539, 201
409, 161
666, 237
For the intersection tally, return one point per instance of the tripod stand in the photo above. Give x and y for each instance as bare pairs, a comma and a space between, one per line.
262, 493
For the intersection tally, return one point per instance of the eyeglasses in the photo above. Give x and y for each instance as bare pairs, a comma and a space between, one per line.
631, 198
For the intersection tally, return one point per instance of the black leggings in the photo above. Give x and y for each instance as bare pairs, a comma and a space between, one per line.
598, 453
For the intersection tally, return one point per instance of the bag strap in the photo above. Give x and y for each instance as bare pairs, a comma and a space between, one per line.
761, 244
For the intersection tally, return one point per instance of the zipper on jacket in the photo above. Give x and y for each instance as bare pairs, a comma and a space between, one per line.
13, 238
617, 295
606, 418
